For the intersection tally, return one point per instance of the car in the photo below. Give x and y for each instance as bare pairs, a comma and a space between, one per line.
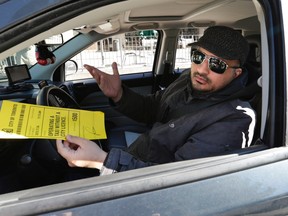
151, 42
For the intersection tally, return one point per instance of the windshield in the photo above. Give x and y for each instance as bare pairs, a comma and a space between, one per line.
15, 11
28, 55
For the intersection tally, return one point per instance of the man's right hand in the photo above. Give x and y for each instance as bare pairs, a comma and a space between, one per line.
109, 84
80, 152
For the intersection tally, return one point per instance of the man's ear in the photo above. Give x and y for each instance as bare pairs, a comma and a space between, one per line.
237, 72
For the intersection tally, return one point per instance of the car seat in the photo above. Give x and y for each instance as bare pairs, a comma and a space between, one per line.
253, 65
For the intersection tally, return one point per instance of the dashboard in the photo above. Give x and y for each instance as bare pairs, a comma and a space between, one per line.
19, 94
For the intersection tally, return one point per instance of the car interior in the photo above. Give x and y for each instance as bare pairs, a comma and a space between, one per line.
36, 161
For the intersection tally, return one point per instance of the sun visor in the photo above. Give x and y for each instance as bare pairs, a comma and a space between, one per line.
107, 27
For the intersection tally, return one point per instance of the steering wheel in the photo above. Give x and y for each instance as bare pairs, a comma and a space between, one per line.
57, 97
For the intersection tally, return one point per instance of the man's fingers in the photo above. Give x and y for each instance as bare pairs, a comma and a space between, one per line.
95, 73
89, 67
59, 144
71, 143
60, 147
75, 139
115, 68
91, 70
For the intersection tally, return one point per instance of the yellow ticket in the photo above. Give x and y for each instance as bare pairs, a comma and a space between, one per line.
21, 120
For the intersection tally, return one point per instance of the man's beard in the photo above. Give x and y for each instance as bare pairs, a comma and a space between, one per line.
195, 83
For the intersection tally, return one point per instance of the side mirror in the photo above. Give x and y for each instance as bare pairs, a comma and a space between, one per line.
71, 68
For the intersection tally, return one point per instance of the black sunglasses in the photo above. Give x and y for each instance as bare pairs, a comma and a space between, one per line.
215, 64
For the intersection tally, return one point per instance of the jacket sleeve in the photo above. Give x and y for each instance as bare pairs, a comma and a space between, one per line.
118, 160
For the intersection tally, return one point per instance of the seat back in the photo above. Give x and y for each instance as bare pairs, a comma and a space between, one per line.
253, 65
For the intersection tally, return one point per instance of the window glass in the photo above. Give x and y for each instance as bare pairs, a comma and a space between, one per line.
133, 52
185, 38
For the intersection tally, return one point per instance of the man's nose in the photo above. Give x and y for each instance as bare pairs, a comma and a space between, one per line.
204, 67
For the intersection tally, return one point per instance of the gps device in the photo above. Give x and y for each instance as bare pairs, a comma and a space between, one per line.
17, 74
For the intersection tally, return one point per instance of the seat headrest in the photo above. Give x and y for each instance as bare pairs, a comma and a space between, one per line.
255, 48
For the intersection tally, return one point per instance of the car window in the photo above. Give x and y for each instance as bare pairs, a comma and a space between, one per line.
185, 38
133, 52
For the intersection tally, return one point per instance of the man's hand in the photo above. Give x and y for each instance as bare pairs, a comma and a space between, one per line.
81, 152
109, 84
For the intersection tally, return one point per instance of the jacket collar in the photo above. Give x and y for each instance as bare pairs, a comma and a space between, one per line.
233, 87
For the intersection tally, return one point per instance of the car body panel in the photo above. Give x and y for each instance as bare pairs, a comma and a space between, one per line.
203, 187
245, 182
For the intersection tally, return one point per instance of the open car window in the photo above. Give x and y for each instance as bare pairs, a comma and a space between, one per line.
134, 52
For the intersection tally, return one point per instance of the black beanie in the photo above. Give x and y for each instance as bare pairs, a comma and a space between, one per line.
224, 42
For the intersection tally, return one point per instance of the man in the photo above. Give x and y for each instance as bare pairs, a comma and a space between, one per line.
196, 116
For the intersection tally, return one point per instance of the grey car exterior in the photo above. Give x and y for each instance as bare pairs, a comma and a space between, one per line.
248, 182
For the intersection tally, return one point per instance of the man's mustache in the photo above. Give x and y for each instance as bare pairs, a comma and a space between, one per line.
203, 76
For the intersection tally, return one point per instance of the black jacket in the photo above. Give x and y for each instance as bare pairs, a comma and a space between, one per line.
189, 124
